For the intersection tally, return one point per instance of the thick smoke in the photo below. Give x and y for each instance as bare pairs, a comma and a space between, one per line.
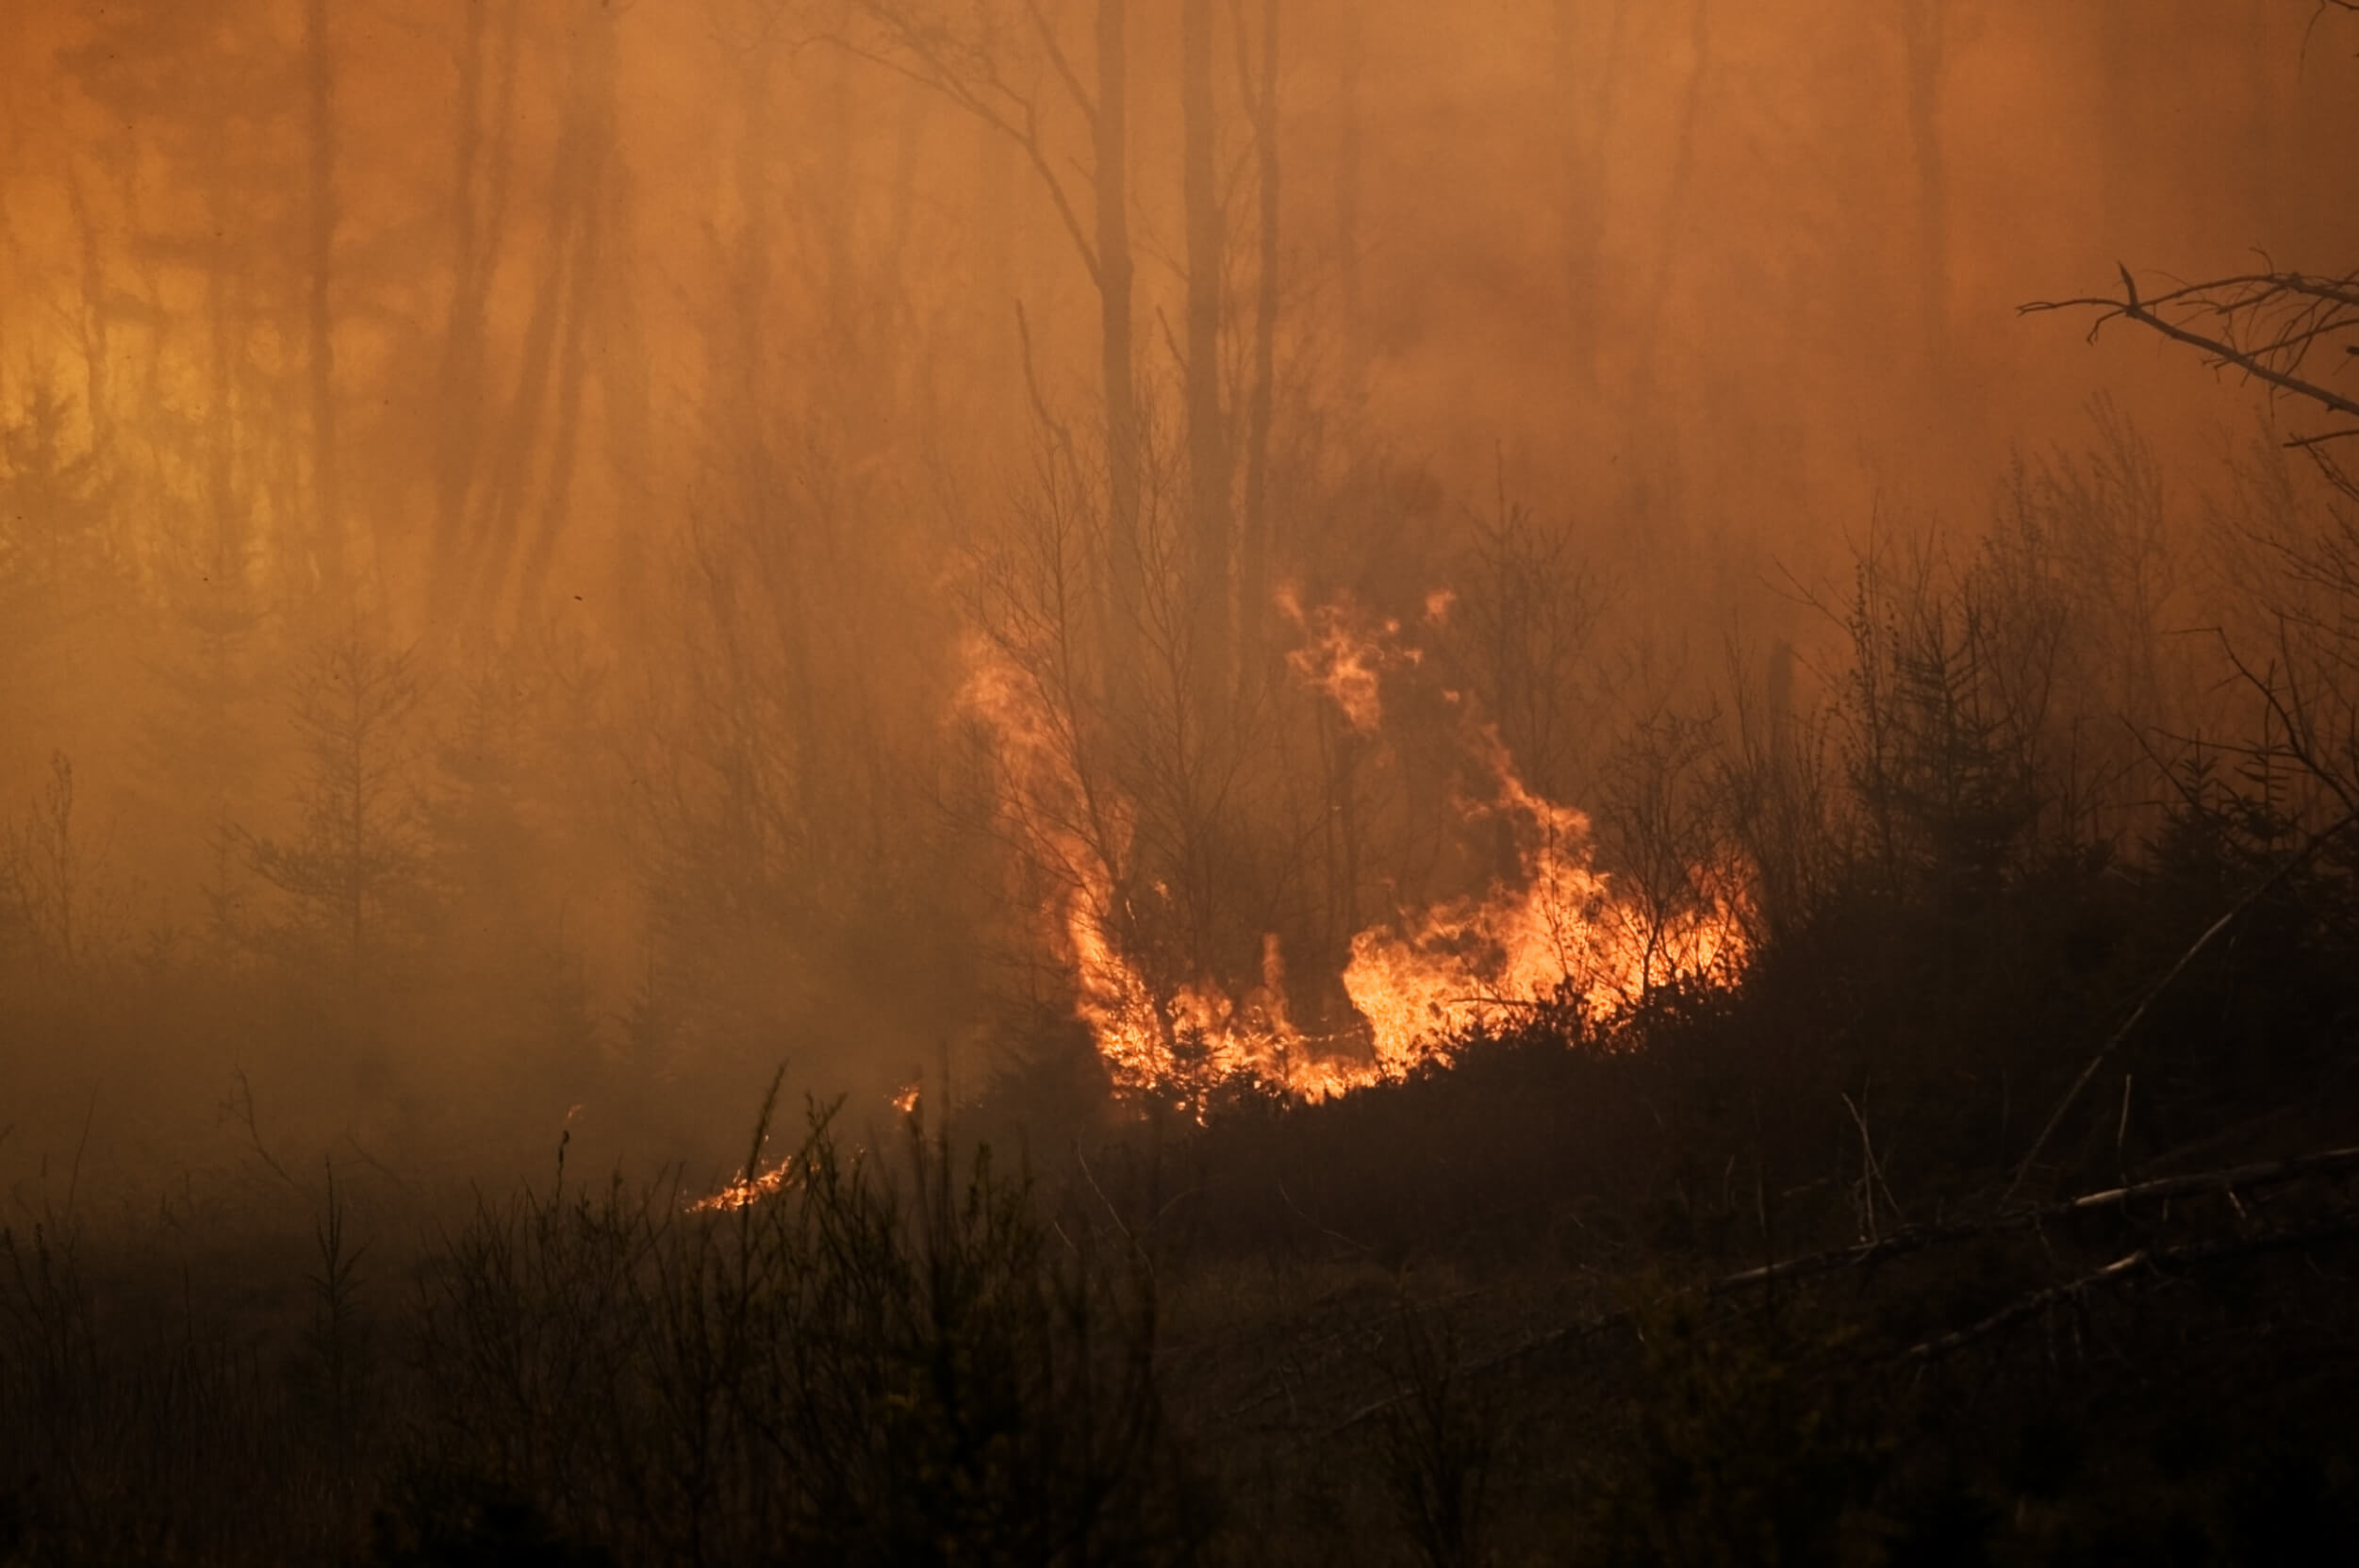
507, 506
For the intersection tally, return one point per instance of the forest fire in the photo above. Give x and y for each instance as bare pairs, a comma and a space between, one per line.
1555, 932
1077, 837
1551, 929
747, 1189
1265, 781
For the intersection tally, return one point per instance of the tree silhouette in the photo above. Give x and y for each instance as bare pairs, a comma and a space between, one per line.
354, 870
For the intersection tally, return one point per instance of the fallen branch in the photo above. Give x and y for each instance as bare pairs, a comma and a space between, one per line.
2113, 1042
2121, 1268
2024, 1308
2264, 1173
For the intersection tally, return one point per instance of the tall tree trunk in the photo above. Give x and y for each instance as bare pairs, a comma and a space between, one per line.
1350, 65
1925, 27
626, 398
229, 532
1675, 212
832, 187
2125, 144
475, 231
326, 485
1587, 80
97, 392
1254, 570
1110, 136
497, 518
583, 312
741, 344
1208, 555
2256, 171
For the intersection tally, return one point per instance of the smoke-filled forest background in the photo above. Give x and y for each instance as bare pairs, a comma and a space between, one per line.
500, 497
1141, 564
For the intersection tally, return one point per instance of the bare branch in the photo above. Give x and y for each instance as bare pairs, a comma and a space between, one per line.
969, 78
2265, 325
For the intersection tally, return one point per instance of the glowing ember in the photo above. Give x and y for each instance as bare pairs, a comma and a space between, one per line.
905, 1100
746, 1191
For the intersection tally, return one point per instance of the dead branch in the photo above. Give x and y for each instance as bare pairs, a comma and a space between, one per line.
2267, 1172
967, 75
2265, 325
2125, 1267
2154, 992
2026, 1307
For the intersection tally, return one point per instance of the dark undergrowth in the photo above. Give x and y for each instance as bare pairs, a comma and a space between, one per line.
2003, 1211
1855, 1262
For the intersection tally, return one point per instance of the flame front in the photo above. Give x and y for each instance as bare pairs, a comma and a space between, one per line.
1551, 930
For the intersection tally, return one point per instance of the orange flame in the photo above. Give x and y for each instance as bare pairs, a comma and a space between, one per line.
1552, 931
745, 1190
1557, 931
1346, 664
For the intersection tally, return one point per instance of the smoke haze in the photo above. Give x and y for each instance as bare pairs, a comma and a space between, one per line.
505, 503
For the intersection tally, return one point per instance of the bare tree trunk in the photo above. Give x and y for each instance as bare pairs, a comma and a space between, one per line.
229, 533
741, 342
1350, 64
1675, 212
1206, 591
489, 556
1253, 575
1110, 135
1587, 80
741, 338
510, 553
475, 244
97, 394
2258, 165
1924, 25
626, 396
831, 187
2124, 146
968, 74
326, 485
596, 67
